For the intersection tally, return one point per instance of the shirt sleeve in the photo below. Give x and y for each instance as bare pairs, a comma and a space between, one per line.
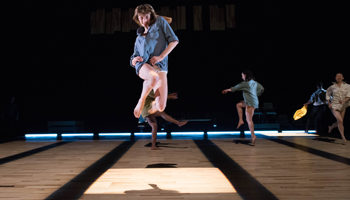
135, 54
259, 89
239, 86
347, 91
312, 98
167, 30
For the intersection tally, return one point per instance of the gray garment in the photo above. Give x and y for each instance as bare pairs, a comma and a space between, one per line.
251, 90
159, 35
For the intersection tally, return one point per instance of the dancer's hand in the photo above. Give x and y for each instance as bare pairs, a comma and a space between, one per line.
155, 59
226, 91
136, 59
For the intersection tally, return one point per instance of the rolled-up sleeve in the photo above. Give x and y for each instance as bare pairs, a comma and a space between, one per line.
239, 86
259, 89
347, 91
168, 31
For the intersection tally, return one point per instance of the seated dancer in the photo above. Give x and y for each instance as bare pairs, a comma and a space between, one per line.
150, 117
251, 90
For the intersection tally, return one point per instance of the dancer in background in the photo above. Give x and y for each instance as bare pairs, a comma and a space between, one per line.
338, 97
154, 42
251, 90
152, 118
318, 110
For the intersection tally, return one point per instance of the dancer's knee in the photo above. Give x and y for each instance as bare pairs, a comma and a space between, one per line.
161, 107
340, 121
153, 79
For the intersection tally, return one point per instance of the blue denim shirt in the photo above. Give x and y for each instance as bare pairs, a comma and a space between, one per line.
159, 35
251, 90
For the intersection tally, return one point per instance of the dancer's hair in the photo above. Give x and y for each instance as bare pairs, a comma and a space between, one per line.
248, 75
144, 9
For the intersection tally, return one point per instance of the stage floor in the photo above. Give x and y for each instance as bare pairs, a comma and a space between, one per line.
217, 168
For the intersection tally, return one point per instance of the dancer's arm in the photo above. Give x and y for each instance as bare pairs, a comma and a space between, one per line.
170, 38
135, 57
165, 53
235, 88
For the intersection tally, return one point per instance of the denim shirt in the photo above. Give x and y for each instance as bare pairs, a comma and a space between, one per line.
159, 35
251, 90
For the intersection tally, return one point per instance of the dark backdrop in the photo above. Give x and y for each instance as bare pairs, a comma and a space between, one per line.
59, 71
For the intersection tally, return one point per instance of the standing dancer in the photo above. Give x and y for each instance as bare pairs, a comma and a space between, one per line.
318, 109
152, 118
154, 42
338, 97
251, 90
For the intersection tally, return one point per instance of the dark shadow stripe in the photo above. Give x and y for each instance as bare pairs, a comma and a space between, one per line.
76, 187
245, 184
30, 152
317, 152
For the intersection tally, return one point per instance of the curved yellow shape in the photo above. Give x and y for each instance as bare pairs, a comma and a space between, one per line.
300, 113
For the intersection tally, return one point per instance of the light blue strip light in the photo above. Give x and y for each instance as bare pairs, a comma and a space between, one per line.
312, 131
38, 135
149, 133
114, 134
77, 134
294, 131
257, 132
187, 133
223, 132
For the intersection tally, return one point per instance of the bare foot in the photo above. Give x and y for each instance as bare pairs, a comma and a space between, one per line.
329, 129
138, 109
344, 142
181, 123
253, 140
155, 148
240, 123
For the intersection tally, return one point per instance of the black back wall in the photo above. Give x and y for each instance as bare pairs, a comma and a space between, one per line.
62, 72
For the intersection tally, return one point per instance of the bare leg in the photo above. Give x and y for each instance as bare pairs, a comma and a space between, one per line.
150, 77
249, 112
339, 116
161, 93
240, 106
333, 126
171, 119
152, 121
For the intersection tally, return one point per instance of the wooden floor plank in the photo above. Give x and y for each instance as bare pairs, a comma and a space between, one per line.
37, 176
290, 173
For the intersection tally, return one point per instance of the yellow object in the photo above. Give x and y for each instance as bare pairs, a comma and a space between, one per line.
168, 19
300, 113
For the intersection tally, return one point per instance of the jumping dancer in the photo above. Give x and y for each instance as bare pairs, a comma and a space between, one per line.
251, 90
152, 118
154, 42
338, 97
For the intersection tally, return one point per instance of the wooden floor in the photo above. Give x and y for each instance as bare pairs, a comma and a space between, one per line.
180, 170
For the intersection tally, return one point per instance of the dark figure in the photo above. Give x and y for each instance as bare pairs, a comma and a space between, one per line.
317, 111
